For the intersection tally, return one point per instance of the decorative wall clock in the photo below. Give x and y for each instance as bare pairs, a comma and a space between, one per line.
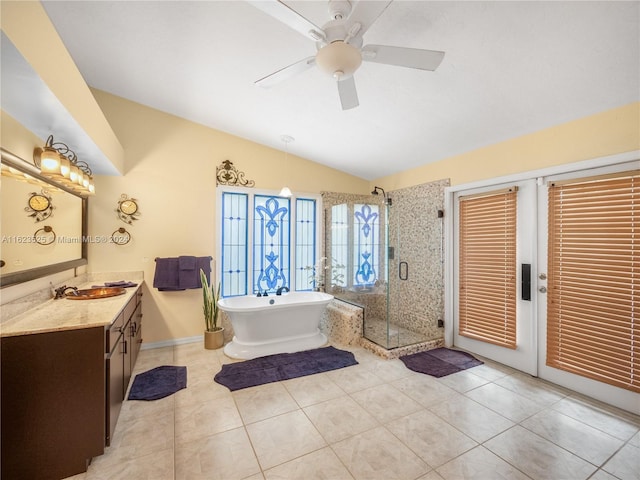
39, 206
127, 209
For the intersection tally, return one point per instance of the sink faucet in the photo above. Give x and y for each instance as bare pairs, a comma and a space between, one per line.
61, 291
282, 289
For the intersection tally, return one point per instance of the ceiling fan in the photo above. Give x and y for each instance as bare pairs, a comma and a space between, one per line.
339, 44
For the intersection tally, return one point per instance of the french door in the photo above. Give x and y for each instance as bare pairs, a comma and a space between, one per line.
531, 351
519, 352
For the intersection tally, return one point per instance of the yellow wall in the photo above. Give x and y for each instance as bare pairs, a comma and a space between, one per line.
170, 168
606, 133
28, 27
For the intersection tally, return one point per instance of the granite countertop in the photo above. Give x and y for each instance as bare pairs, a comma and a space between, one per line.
64, 314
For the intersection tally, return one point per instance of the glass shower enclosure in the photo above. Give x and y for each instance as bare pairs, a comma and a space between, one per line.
371, 265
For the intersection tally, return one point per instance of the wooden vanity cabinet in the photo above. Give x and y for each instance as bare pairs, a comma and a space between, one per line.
52, 403
61, 394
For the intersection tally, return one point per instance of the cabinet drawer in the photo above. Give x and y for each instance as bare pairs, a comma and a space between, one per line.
130, 307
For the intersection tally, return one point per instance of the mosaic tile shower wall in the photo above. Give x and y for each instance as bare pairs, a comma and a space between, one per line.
416, 233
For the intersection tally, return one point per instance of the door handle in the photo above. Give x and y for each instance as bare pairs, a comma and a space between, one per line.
406, 271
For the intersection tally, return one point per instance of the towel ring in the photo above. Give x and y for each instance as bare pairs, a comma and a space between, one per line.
45, 235
120, 236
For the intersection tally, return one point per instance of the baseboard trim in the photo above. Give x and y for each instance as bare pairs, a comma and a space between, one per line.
172, 343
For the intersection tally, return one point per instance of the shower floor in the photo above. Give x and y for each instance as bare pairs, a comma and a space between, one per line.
375, 330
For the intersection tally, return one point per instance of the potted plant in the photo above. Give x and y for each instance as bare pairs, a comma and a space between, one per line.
213, 334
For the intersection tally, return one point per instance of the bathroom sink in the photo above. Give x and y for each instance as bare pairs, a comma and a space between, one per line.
93, 293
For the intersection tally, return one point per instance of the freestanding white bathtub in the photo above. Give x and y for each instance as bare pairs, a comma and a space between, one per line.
275, 324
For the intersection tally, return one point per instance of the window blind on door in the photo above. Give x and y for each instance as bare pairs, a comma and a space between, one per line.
487, 271
594, 277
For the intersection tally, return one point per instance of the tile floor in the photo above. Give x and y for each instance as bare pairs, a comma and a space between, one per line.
375, 420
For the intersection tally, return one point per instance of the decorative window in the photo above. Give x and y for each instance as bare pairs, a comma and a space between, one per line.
366, 244
266, 242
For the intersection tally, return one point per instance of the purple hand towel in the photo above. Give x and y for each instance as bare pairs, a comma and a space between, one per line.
166, 276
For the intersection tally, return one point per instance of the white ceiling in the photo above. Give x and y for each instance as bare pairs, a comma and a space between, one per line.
510, 68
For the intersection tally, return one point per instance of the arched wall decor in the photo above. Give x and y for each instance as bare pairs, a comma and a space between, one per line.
227, 174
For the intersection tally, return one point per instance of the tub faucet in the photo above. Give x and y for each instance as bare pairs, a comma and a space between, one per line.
61, 291
282, 289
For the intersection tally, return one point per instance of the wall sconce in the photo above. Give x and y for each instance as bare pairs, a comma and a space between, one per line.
58, 162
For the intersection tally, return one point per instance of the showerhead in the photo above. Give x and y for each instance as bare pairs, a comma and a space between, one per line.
375, 191
387, 200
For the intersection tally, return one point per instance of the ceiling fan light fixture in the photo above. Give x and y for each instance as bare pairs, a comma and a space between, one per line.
339, 59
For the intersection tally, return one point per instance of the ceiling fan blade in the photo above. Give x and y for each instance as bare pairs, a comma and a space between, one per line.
289, 17
286, 72
348, 93
402, 57
366, 12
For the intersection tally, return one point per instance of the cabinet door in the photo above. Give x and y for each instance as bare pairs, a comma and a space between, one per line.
52, 403
114, 365
135, 332
126, 358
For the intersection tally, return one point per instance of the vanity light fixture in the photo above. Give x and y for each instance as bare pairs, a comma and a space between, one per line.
58, 162
287, 139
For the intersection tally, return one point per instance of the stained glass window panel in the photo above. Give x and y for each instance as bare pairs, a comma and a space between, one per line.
366, 244
234, 241
305, 242
271, 234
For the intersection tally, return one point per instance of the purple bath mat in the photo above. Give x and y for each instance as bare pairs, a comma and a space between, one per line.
282, 366
158, 383
440, 362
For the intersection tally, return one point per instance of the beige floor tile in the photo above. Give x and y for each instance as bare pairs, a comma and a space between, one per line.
385, 402
587, 442
463, 381
148, 359
430, 437
319, 465
340, 418
432, 475
138, 437
354, 378
225, 456
505, 402
204, 419
424, 389
155, 466
534, 389
264, 401
473, 419
377, 454
491, 371
280, 439
200, 392
141, 408
615, 422
625, 464
537, 457
602, 475
635, 440
390, 370
312, 389
480, 464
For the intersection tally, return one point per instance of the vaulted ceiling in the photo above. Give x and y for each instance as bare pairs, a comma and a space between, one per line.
510, 68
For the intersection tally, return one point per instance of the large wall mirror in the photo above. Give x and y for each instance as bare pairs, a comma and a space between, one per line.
43, 225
